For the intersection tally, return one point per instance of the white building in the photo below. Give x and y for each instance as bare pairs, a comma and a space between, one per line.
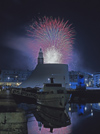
43, 72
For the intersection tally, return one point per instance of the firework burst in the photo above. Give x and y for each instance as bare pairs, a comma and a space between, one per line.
55, 37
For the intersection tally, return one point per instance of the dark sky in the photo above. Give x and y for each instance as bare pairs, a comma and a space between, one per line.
16, 15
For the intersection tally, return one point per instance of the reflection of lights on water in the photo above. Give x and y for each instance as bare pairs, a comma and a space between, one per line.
85, 108
91, 112
91, 104
69, 108
96, 106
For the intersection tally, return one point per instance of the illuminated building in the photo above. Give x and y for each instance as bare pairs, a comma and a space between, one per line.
13, 77
96, 77
73, 79
43, 72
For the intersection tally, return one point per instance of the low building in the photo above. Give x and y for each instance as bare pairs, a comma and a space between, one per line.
13, 77
96, 78
73, 79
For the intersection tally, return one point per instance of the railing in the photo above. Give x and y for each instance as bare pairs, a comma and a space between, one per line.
24, 93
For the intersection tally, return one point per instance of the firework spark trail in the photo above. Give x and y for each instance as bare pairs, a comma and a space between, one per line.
55, 38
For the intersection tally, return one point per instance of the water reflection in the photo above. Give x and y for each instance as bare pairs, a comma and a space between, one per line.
12, 119
75, 119
46, 120
96, 106
52, 118
81, 109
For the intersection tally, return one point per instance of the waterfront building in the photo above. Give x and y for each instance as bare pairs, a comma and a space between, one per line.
96, 77
88, 79
13, 77
43, 72
73, 79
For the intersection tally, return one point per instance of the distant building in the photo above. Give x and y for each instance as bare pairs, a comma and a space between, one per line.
13, 77
96, 77
73, 79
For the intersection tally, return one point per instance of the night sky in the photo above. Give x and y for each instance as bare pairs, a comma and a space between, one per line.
16, 15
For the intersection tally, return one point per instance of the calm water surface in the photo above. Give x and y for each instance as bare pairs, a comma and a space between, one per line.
75, 119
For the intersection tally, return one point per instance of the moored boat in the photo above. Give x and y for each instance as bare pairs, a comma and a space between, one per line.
53, 95
25, 95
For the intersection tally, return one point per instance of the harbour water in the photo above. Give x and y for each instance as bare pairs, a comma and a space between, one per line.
76, 121
35, 119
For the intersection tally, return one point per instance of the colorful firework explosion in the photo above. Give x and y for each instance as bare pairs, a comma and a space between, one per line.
55, 37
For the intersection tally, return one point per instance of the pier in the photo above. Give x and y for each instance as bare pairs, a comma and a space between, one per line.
12, 119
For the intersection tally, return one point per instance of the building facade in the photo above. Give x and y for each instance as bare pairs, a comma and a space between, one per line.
13, 77
43, 72
73, 79
96, 78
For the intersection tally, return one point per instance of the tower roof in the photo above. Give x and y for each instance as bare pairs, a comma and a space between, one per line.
40, 49
40, 57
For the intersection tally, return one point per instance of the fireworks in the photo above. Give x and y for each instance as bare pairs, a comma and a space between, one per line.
55, 37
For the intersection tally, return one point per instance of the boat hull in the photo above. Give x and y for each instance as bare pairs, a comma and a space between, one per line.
24, 99
53, 100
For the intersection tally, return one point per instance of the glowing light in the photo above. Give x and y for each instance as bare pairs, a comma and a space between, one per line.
48, 79
85, 108
69, 108
55, 37
91, 112
69, 84
18, 84
8, 78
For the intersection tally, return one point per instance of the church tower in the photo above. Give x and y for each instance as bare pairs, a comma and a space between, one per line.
40, 57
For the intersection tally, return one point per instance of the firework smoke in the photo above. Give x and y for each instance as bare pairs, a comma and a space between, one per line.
55, 37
